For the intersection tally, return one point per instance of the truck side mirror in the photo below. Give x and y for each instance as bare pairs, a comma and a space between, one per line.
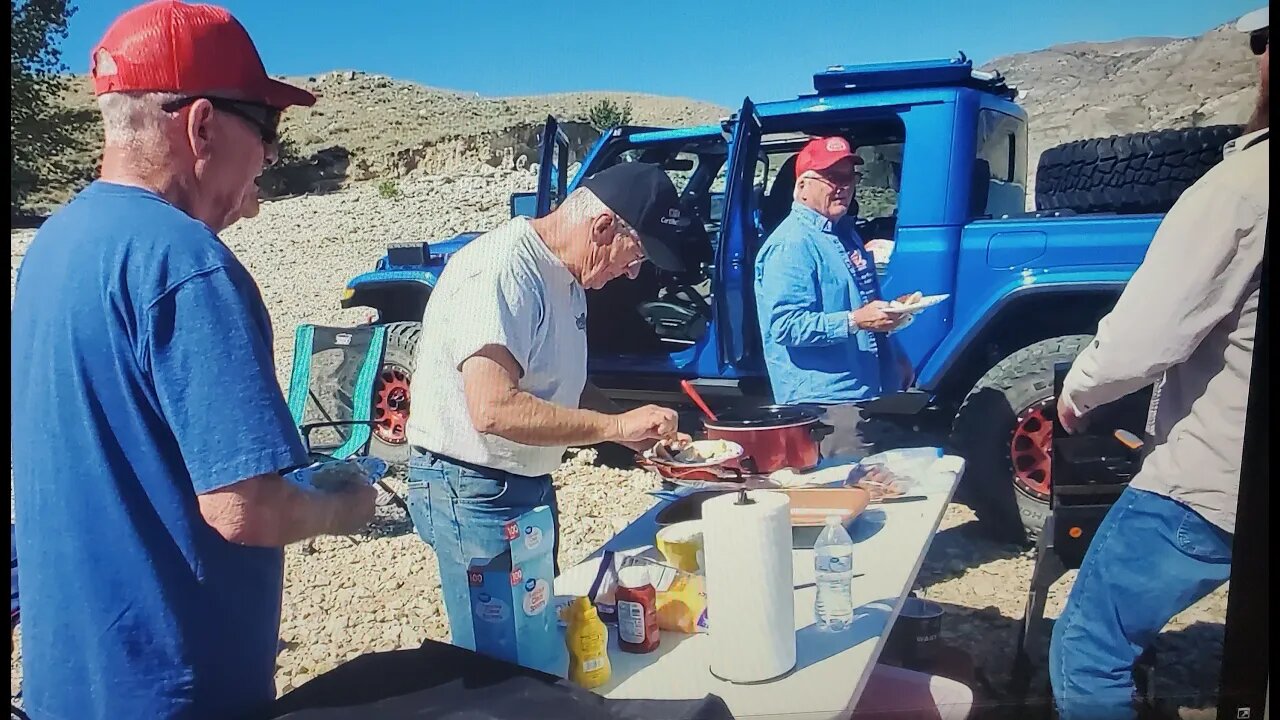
524, 204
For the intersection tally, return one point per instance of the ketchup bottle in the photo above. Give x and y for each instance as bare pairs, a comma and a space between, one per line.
636, 601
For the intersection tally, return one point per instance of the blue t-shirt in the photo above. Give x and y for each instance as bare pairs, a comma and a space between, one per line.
809, 275
142, 375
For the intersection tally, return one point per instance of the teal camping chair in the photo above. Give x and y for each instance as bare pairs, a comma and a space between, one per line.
331, 390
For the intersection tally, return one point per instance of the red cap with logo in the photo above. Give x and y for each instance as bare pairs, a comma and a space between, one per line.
821, 153
176, 47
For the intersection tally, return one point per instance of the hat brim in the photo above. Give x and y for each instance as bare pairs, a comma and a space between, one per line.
826, 164
1254, 21
662, 251
281, 95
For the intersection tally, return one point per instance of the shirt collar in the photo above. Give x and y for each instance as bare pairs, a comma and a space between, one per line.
549, 259
1243, 142
812, 218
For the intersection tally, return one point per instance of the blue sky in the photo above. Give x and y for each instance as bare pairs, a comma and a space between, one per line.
716, 50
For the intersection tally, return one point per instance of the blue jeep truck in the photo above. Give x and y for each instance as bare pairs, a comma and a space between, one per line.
944, 179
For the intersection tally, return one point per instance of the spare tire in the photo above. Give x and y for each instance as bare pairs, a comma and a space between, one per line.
1138, 173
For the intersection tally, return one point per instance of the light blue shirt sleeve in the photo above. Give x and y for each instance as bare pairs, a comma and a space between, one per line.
788, 292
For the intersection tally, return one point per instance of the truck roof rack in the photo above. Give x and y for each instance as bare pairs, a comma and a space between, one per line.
846, 79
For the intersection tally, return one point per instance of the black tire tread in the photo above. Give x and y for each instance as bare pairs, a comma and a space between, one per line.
1138, 173
986, 448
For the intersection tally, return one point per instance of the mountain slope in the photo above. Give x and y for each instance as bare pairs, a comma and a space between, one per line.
1082, 90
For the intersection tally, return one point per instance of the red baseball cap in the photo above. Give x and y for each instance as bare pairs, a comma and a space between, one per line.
823, 152
177, 47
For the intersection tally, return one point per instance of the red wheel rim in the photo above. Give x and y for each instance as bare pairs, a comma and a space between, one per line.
1030, 450
391, 404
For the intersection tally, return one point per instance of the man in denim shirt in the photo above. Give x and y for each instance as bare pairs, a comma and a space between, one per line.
822, 319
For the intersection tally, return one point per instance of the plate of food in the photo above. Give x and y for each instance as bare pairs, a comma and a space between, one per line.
914, 302
696, 454
880, 482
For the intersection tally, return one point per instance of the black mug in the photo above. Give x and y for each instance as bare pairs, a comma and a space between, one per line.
914, 636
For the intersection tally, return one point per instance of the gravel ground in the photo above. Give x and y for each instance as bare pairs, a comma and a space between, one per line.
380, 591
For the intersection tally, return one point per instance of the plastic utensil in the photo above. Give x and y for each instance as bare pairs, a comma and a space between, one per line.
692, 392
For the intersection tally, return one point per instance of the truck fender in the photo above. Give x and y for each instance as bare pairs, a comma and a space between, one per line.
396, 295
975, 325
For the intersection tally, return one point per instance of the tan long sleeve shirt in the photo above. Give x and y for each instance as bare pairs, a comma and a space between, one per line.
1186, 323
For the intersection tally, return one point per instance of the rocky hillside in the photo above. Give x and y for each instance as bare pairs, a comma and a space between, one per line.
376, 127
1084, 90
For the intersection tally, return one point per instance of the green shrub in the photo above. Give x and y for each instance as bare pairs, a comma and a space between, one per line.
607, 114
388, 189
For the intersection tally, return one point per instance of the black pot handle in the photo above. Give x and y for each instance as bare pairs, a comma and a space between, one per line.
819, 430
748, 463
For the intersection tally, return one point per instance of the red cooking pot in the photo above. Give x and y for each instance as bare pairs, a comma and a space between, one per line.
772, 437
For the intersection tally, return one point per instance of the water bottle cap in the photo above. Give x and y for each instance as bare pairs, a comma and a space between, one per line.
833, 519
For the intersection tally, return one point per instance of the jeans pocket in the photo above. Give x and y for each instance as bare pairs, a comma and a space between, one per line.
418, 498
1202, 540
472, 487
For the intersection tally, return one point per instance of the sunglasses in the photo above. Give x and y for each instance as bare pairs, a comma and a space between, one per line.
1258, 40
264, 118
838, 179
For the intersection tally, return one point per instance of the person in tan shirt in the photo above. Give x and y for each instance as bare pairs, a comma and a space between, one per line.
1185, 322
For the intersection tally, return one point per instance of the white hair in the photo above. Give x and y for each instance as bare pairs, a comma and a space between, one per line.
135, 119
795, 189
581, 206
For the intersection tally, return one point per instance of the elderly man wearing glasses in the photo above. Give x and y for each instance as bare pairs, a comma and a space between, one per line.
500, 384
151, 514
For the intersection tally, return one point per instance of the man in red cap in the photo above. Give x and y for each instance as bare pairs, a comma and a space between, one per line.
826, 342
150, 432
822, 319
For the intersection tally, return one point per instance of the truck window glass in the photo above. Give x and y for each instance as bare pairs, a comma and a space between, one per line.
1000, 142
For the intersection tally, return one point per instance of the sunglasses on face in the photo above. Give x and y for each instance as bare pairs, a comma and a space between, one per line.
1258, 40
264, 118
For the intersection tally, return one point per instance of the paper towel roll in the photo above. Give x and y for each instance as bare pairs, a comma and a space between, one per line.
750, 598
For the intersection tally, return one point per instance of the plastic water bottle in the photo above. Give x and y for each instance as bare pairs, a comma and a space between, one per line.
833, 571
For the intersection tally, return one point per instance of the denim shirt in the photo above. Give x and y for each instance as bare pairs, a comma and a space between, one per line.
809, 275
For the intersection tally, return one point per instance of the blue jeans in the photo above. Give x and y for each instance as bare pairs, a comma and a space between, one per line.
1151, 559
459, 510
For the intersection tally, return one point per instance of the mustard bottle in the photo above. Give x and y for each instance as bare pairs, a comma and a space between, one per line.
587, 640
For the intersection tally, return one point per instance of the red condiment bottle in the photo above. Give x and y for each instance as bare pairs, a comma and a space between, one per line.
637, 604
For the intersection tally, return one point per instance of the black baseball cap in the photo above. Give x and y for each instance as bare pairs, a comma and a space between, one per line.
643, 196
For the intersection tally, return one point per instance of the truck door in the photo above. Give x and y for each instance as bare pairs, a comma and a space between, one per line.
553, 167
738, 333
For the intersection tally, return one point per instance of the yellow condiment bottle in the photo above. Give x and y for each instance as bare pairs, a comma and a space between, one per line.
588, 642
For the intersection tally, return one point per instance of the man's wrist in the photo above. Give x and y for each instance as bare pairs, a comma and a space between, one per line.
608, 427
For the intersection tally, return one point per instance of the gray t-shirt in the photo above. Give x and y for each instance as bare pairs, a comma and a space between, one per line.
504, 288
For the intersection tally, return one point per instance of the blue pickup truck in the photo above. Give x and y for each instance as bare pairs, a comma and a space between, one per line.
944, 190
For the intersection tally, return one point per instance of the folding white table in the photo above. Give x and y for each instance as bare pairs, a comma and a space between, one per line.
831, 668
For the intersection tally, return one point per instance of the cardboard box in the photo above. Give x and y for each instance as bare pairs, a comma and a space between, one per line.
511, 596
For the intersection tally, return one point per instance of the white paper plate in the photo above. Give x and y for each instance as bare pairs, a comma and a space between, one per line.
925, 302
734, 451
906, 321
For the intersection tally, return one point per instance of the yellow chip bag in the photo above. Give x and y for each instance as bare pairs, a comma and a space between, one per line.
682, 606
